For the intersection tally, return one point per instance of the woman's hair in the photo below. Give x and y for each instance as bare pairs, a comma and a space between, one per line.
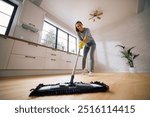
77, 23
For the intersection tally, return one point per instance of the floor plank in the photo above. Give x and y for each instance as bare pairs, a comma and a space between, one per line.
123, 86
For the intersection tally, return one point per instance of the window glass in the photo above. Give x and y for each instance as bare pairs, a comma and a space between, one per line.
6, 8
53, 36
48, 35
4, 21
6, 11
62, 40
2, 30
72, 44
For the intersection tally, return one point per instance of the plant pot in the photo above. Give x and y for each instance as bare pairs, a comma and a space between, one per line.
132, 69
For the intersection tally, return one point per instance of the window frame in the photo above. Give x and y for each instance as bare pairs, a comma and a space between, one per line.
56, 31
67, 39
68, 34
11, 17
75, 44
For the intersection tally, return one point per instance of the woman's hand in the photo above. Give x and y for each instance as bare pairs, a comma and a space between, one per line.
85, 39
81, 44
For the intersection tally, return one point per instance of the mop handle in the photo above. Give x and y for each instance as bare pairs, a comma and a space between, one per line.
75, 65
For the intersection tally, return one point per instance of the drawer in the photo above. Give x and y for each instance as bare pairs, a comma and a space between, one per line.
5, 51
53, 53
79, 64
53, 63
26, 62
70, 61
30, 49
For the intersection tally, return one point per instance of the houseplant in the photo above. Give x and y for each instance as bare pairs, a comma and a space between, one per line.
130, 56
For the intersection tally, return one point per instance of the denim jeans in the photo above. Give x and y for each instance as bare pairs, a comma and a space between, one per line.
90, 48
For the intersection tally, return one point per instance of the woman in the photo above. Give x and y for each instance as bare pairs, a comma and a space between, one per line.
86, 41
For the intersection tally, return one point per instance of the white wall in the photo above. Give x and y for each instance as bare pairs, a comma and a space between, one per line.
133, 31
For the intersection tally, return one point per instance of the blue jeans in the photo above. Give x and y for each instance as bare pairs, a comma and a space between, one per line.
90, 48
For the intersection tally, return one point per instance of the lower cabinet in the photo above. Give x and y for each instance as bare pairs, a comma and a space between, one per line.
15, 54
6, 45
25, 62
60, 61
69, 61
53, 63
79, 64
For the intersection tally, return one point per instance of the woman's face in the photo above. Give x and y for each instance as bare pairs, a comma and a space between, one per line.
79, 26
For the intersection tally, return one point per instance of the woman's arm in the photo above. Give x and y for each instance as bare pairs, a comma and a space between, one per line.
85, 39
87, 34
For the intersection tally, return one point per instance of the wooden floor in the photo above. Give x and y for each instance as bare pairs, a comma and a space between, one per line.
123, 86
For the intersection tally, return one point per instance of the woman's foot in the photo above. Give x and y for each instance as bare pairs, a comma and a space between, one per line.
84, 71
90, 74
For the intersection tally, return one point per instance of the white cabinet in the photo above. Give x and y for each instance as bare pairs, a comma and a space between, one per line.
25, 62
70, 60
79, 65
30, 49
27, 56
6, 45
15, 54
60, 60
32, 14
53, 59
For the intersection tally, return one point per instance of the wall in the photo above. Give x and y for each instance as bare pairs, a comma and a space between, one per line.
133, 31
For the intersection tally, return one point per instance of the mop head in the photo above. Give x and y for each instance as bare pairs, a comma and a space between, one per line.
67, 88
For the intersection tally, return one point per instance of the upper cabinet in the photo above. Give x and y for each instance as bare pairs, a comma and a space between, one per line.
32, 14
31, 17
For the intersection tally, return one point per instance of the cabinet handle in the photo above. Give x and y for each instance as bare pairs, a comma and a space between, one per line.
53, 59
53, 54
68, 61
31, 24
30, 57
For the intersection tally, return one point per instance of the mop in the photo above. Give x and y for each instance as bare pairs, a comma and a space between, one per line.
69, 87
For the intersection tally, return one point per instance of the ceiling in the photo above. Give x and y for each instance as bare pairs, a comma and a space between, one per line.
70, 11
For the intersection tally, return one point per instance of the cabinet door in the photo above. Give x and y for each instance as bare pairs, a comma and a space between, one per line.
70, 61
32, 14
79, 65
54, 59
26, 62
5, 50
52, 63
24, 48
51, 53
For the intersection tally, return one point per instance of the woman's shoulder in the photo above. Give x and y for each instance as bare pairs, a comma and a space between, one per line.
87, 29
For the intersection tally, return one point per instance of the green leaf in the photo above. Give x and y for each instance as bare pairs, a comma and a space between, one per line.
123, 47
129, 50
135, 56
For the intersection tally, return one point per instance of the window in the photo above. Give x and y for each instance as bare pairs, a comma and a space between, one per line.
7, 13
72, 44
53, 36
62, 40
48, 35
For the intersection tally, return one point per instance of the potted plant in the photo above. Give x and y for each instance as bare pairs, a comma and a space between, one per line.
130, 56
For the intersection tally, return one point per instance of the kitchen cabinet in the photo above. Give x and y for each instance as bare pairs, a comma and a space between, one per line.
6, 45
